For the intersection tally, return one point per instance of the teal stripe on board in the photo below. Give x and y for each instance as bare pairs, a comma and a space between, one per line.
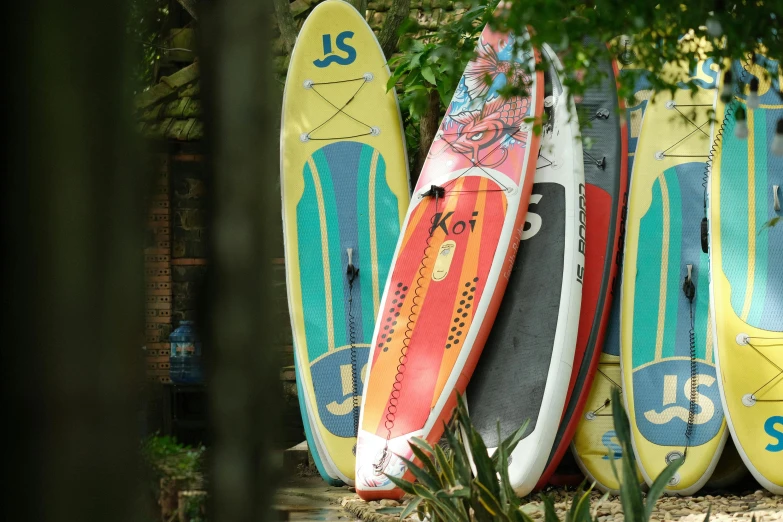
311, 269
702, 307
648, 271
308, 429
336, 267
386, 222
733, 214
763, 199
673, 283
363, 222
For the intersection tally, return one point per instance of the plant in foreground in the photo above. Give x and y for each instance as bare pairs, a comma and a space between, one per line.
452, 486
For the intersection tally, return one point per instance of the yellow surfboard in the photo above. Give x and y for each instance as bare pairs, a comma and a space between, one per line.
667, 361
344, 181
747, 273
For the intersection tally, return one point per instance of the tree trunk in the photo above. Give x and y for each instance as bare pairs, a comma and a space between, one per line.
286, 23
242, 110
73, 328
389, 36
361, 6
428, 127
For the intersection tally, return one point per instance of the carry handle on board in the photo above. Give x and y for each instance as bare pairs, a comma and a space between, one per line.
704, 235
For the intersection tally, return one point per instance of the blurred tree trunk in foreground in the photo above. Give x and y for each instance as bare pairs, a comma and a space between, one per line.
73, 268
243, 132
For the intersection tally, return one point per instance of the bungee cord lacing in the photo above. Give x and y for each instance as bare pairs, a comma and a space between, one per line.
746, 340
310, 85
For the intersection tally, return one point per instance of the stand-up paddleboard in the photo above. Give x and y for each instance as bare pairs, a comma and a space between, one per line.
525, 369
667, 358
345, 191
747, 275
604, 147
452, 263
595, 441
730, 469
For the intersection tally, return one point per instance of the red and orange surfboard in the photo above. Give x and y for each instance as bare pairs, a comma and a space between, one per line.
452, 262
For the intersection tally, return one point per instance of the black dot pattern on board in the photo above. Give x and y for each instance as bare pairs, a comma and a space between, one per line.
399, 285
385, 349
404, 288
461, 314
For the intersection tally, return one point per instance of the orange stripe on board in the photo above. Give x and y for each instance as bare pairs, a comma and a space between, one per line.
469, 271
413, 223
384, 370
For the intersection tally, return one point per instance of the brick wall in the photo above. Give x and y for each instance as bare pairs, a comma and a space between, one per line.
157, 266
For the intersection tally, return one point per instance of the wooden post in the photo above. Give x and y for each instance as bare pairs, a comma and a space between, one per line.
73, 216
242, 110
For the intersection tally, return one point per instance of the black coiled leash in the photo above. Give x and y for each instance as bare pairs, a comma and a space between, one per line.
352, 273
689, 288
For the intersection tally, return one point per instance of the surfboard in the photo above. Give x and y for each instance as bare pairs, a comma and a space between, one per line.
730, 469
452, 263
526, 366
595, 440
667, 356
747, 277
344, 182
604, 147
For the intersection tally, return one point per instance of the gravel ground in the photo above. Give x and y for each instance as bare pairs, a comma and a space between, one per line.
765, 506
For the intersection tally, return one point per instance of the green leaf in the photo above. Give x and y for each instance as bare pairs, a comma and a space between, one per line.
658, 485
630, 491
428, 75
410, 508
550, 515
421, 475
446, 467
404, 485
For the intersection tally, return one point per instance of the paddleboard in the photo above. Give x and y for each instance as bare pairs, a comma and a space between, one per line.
525, 369
452, 264
595, 441
344, 182
747, 275
604, 147
667, 359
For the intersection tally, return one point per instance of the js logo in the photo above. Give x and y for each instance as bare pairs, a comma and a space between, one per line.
663, 417
774, 428
330, 58
608, 440
336, 402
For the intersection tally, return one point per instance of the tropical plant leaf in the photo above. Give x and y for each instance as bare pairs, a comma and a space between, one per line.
410, 508
630, 491
421, 474
446, 467
489, 501
659, 484
550, 515
425, 459
403, 484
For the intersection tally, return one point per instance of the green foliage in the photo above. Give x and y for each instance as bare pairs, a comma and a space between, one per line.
464, 483
430, 62
167, 457
144, 29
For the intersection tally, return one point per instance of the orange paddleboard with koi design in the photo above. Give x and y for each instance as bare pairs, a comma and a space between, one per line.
452, 262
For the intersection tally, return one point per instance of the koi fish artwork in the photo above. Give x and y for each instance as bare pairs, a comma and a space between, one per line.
481, 123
